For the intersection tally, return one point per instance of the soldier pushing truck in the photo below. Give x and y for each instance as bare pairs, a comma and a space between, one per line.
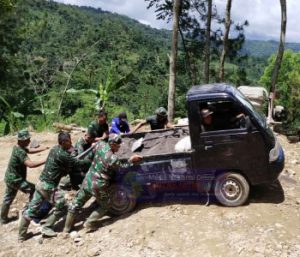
16, 173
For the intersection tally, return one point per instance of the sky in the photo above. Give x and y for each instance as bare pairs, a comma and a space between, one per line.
264, 16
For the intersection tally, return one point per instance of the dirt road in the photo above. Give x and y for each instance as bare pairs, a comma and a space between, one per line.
269, 225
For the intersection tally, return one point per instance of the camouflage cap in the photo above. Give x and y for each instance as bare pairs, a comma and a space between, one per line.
161, 111
115, 139
23, 135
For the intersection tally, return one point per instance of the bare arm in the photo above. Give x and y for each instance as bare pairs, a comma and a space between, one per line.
240, 115
34, 164
135, 158
125, 164
169, 125
237, 117
38, 149
139, 126
105, 136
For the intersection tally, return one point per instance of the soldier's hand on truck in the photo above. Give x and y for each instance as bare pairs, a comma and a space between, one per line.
135, 158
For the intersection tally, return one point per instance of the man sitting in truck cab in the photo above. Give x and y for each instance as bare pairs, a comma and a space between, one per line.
221, 115
206, 124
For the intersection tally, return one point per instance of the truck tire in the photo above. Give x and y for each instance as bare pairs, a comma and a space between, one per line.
231, 189
122, 200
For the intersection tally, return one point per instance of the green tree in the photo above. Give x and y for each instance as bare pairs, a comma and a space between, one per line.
288, 83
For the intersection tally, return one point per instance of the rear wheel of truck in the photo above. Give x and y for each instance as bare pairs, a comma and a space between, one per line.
123, 200
231, 189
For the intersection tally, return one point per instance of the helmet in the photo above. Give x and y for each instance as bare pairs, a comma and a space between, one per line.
115, 139
161, 111
23, 135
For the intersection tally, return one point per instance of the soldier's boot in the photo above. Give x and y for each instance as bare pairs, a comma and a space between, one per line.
4, 213
69, 222
23, 227
47, 228
90, 224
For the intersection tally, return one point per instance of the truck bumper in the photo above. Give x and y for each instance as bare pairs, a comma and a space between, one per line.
276, 166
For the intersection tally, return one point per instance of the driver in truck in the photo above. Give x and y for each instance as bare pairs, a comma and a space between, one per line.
206, 124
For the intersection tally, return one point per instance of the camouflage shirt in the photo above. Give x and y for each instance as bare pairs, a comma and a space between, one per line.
104, 166
16, 170
97, 129
81, 145
58, 164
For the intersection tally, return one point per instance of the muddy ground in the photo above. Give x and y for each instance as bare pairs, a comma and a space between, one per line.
269, 225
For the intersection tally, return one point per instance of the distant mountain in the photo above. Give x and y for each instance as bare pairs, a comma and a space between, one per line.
265, 48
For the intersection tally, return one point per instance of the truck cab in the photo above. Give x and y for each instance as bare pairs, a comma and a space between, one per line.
238, 148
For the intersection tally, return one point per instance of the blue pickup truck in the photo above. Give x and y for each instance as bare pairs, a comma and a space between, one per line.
239, 150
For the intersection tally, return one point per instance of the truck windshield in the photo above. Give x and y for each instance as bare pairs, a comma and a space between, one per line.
258, 116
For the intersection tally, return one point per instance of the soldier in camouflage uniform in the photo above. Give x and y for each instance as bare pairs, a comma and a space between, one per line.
59, 163
75, 178
97, 181
15, 176
84, 143
81, 146
99, 127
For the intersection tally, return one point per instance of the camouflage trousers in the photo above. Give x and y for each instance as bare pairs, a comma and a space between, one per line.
72, 180
86, 192
45, 191
12, 190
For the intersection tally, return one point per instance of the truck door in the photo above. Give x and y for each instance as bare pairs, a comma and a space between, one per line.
225, 143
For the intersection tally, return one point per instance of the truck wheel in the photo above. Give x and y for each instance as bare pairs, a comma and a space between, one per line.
122, 200
231, 189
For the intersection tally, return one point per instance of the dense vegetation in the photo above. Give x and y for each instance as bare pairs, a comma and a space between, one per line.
288, 85
57, 62
102, 47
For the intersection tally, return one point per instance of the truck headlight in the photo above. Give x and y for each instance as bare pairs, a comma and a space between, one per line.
274, 153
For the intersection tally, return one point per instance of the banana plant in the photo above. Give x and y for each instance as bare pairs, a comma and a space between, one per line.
9, 116
104, 90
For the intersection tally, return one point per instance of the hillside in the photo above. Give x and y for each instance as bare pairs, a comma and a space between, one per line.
54, 36
265, 49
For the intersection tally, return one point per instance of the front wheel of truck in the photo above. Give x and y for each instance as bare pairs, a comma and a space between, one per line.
122, 200
231, 189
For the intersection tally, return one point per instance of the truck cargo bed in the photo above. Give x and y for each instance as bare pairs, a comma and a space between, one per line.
157, 142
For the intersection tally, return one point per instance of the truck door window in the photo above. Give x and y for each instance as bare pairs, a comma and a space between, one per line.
220, 115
